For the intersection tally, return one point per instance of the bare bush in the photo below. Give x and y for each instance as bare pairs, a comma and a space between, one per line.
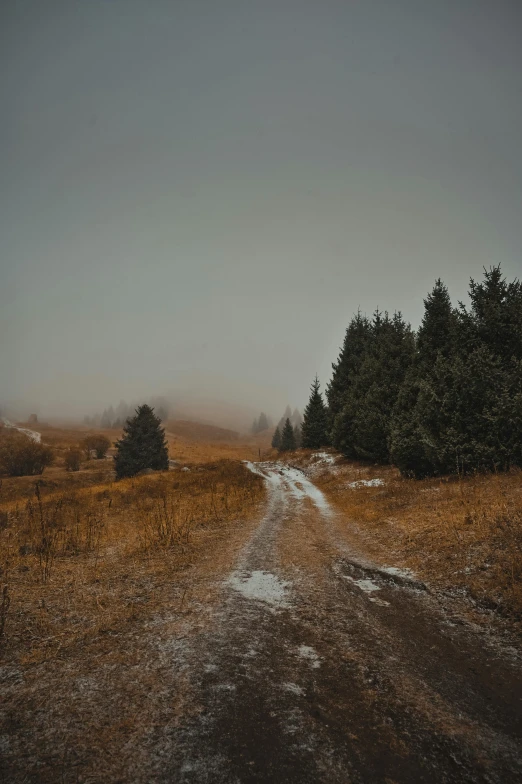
21, 456
73, 459
97, 443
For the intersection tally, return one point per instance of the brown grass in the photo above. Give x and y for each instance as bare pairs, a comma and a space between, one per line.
83, 553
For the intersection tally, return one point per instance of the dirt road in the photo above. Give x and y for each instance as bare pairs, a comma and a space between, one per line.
319, 667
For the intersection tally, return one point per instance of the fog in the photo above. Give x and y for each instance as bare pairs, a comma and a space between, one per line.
197, 196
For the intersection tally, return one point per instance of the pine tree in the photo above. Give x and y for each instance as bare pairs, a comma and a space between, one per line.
362, 429
315, 421
437, 333
262, 423
255, 427
355, 345
276, 439
287, 437
298, 436
142, 446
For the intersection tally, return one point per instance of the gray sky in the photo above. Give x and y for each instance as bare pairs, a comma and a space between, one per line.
200, 194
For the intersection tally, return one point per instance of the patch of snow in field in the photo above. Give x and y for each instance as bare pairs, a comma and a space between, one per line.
293, 688
263, 586
323, 457
32, 434
307, 652
366, 483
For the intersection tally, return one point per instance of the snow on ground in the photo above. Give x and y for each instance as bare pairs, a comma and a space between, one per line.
366, 483
323, 457
262, 586
32, 434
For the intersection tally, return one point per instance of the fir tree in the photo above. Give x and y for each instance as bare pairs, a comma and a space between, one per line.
298, 436
315, 421
262, 423
437, 332
276, 439
142, 445
287, 437
362, 428
355, 345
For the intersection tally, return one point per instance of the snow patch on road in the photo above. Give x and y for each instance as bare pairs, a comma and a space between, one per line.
366, 585
293, 688
261, 586
291, 479
307, 652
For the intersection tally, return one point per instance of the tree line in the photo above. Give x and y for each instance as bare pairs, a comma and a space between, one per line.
445, 399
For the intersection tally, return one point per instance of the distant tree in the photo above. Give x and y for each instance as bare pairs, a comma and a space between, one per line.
106, 420
287, 438
298, 436
73, 459
21, 456
262, 423
296, 419
255, 426
97, 443
315, 422
142, 446
276, 439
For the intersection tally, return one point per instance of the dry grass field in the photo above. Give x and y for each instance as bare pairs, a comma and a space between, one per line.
461, 535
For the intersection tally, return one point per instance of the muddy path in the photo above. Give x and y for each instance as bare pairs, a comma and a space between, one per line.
318, 666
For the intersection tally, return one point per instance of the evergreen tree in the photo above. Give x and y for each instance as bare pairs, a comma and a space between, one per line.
287, 437
262, 423
255, 427
315, 422
362, 429
354, 348
296, 419
437, 333
142, 445
462, 411
276, 439
298, 436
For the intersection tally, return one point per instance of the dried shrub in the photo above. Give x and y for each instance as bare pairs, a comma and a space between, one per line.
98, 443
73, 459
21, 456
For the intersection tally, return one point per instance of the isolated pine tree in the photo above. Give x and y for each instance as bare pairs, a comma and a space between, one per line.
315, 421
287, 437
276, 439
142, 446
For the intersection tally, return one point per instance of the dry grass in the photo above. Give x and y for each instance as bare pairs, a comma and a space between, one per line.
462, 535
96, 580
72, 560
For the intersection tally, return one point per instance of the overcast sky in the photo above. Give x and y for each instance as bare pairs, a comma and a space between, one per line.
201, 194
